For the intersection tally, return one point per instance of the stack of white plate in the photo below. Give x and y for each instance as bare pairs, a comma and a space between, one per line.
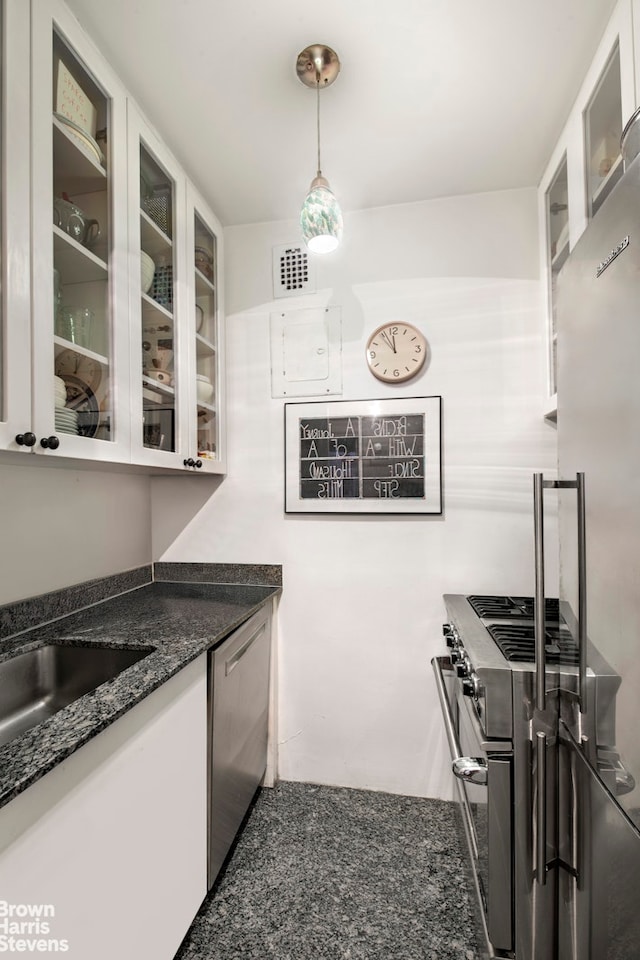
59, 392
66, 420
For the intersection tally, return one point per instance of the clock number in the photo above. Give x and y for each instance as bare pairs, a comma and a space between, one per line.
372, 354
396, 373
393, 331
418, 348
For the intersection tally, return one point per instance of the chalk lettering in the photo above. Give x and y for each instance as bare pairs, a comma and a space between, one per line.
401, 448
339, 449
390, 428
312, 433
331, 471
333, 489
408, 468
386, 489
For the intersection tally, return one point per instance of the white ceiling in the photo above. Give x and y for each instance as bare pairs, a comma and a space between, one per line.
435, 97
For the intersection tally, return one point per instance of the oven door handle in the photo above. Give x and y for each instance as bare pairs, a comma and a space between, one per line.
469, 769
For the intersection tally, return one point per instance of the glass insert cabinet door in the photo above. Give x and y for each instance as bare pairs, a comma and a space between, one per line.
15, 306
602, 131
557, 218
206, 335
160, 348
79, 262
159, 354
206, 339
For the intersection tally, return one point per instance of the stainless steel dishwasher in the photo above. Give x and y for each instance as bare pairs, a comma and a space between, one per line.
238, 714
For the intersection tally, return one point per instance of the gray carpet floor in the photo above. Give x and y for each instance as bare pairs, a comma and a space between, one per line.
325, 873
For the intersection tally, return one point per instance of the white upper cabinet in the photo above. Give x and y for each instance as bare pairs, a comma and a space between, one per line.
15, 210
174, 307
206, 333
110, 327
80, 329
586, 163
157, 303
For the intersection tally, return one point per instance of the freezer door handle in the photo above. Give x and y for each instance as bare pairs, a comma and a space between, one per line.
539, 608
540, 484
541, 809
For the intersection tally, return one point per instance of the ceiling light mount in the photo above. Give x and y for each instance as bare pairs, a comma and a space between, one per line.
320, 218
317, 63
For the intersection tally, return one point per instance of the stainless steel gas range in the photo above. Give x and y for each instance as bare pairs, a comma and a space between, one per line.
487, 692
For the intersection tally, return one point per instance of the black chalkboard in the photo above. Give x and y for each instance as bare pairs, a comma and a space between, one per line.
362, 457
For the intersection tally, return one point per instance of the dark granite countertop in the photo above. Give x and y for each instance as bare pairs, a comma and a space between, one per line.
180, 620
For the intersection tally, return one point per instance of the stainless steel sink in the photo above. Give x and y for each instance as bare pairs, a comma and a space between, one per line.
35, 685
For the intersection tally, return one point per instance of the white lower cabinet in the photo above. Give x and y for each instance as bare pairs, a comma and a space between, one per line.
111, 845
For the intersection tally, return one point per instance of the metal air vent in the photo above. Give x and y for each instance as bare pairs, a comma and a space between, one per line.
293, 271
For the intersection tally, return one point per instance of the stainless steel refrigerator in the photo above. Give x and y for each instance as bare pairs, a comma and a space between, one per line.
586, 752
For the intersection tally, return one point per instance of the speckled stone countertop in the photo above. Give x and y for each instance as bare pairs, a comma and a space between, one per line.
178, 621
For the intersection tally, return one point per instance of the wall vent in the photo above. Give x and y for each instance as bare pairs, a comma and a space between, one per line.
293, 271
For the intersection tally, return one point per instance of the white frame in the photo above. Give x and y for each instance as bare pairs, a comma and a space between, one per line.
353, 457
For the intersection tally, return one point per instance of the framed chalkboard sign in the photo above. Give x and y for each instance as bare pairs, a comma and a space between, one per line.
363, 456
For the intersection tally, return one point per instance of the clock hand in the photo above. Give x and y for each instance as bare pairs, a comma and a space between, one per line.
394, 345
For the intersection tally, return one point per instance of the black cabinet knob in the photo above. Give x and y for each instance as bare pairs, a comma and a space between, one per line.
50, 443
190, 462
26, 439
198, 464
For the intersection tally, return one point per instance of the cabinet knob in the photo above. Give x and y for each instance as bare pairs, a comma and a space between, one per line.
198, 464
26, 439
190, 462
50, 443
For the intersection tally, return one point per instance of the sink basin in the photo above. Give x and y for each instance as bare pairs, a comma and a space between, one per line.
35, 685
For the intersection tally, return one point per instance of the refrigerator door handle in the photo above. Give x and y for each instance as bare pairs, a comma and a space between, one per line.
582, 596
539, 483
541, 809
539, 608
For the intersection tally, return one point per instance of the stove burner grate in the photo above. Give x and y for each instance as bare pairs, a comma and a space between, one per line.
512, 608
516, 642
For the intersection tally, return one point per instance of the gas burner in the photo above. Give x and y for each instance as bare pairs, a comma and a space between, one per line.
517, 643
512, 608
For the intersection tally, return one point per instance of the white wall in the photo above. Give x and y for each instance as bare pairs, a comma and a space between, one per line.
61, 526
362, 608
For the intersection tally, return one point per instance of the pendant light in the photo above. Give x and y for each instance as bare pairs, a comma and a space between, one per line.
320, 218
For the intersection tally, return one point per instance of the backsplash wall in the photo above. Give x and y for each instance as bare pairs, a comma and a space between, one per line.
361, 610
62, 526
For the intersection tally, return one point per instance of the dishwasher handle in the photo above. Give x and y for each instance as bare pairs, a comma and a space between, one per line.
468, 769
237, 656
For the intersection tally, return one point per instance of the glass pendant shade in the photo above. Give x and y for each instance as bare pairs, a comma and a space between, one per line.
321, 218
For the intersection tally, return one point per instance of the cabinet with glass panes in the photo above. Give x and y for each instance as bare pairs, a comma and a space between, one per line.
585, 166
174, 307
101, 358
557, 228
160, 347
16, 418
203, 247
602, 132
80, 345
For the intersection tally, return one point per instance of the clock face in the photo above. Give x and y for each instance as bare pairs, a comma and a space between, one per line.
396, 352
79, 365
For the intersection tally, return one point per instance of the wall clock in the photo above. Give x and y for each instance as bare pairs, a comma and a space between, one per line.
396, 352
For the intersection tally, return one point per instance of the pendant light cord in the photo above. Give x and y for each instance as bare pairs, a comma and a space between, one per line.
318, 116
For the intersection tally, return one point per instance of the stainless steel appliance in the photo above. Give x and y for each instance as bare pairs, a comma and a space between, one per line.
238, 713
487, 688
569, 706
